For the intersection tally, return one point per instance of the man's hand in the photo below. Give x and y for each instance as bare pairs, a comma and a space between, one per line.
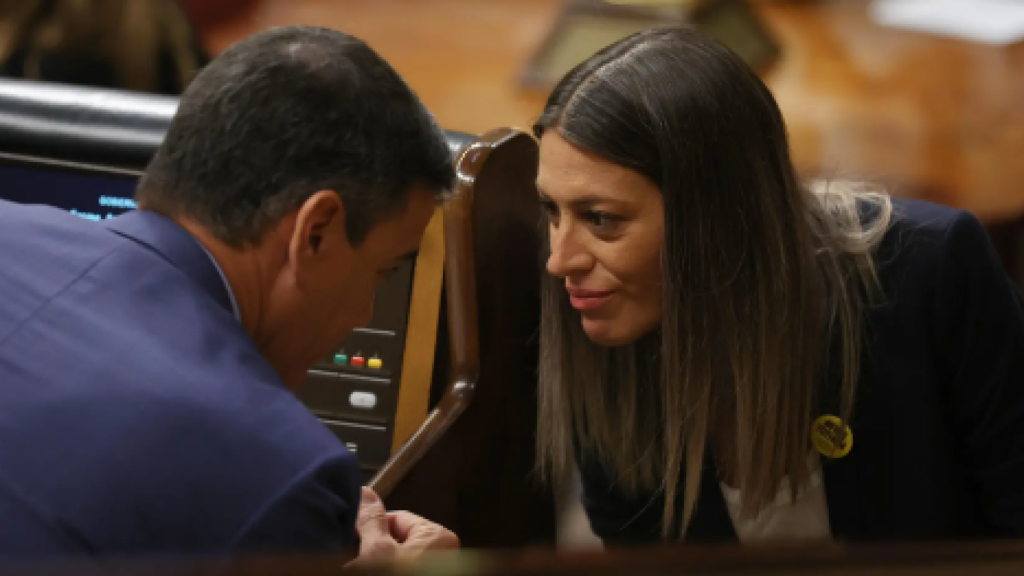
391, 536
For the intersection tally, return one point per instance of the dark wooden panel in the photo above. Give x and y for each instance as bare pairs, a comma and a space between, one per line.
478, 478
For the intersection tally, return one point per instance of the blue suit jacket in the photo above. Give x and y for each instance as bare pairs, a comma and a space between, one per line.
938, 428
136, 414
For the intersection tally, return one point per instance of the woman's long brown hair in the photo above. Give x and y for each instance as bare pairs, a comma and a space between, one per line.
763, 277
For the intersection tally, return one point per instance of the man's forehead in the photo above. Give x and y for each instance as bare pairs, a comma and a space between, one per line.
399, 236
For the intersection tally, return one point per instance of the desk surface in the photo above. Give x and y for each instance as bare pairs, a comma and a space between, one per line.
941, 118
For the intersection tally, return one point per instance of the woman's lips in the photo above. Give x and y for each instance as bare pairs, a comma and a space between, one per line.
582, 299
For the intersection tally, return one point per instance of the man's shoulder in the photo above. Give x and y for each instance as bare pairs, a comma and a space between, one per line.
42, 225
139, 402
159, 435
44, 251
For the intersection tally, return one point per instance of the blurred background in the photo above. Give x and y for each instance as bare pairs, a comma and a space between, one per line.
925, 96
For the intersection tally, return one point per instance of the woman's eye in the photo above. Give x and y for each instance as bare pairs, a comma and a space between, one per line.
599, 219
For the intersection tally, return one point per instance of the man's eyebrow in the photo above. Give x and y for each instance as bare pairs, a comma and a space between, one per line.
408, 256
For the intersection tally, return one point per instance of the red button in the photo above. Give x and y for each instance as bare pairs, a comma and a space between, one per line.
358, 361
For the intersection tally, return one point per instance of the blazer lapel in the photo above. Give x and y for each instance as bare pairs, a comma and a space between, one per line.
842, 476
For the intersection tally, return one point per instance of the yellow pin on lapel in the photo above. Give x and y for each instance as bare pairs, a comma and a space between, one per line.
831, 437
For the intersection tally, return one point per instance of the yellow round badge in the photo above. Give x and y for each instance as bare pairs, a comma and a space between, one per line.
830, 437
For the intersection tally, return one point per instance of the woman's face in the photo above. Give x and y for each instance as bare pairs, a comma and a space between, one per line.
606, 226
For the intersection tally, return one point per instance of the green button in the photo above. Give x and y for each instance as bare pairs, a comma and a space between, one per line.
341, 359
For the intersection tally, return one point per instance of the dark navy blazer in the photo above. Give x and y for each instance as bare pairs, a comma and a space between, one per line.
938, 430
136, 414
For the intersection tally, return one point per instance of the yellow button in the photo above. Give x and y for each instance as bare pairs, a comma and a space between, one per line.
374, 363
831, 437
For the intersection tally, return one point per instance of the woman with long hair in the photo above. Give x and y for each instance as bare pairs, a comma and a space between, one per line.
729, 352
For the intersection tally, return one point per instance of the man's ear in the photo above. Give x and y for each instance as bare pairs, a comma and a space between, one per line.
320, 217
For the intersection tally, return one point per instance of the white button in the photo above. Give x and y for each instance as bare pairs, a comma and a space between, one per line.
364, 400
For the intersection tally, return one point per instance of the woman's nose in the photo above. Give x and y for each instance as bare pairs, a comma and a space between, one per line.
567, 255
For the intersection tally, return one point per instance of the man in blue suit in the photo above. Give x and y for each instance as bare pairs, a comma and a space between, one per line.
146, 361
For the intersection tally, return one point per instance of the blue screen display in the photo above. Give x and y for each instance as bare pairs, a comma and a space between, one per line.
91, 195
